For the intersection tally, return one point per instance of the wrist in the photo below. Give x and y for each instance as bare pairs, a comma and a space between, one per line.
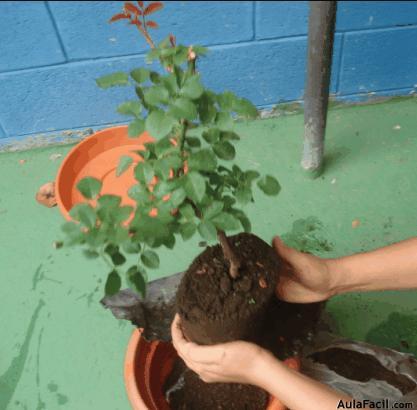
261, 374
338, 276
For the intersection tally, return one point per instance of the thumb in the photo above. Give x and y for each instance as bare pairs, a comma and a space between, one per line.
282, 249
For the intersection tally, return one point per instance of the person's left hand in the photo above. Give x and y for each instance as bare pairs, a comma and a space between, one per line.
233, 362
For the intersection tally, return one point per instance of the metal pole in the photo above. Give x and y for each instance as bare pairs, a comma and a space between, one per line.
321, 27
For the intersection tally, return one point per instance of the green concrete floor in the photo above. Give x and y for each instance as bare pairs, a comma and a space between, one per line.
59, 349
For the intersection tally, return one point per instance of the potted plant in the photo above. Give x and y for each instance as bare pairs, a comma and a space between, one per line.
181, 183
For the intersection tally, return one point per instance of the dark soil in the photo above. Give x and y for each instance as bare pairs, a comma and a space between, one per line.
361, 367
216, 309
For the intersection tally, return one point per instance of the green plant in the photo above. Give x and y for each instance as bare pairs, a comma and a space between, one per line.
184, 184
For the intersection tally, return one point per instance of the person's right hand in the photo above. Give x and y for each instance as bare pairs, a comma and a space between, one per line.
305, 278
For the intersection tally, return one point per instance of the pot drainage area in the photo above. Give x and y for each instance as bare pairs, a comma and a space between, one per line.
57, 338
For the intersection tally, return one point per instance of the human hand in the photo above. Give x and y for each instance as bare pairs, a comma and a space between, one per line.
233, 362
306, 278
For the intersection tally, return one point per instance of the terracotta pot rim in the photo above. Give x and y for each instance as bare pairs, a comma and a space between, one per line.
131, 369
76, 148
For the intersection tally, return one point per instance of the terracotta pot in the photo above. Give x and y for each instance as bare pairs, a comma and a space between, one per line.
98, 156
147, 366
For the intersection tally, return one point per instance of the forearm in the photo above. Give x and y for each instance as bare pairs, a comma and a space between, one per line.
391, 267
295, 390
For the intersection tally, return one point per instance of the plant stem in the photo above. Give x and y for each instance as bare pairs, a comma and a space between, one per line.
145, 33
229, 254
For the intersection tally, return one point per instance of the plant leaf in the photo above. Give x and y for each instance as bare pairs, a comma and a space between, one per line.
207, 230
224, 121
159, 124
226, 221
113, 80
150, 259
155, 95
269, 185
152, 24
140, 75
192, 88
195, 186
155, 6
136, 127
202, 160
124, 164
245, 108
187, 230
213, 209
118, 16
113, 283
84, 214
137, 280
130, 108
224, 150
89, 187
183, 108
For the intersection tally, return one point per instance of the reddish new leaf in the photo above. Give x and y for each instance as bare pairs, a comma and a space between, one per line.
140, 4
136, 22
152, 24
117, 17
153, 7
130, 7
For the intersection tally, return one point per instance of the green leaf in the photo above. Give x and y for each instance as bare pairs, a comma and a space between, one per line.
244, 194
90, 253
131, 247
150, 259
251, 175
89, 187
226, 221
113, 80
170, 83
207, 230
226, 100
183, 108
140, 75
144, 172
193, 142
195, 186
113, 283
136, 127
155, 95
118, 259
213, 209
187, 212
200, 50
137, 280
155, 77
85, 214
139, 193
178, 197
244, 220
224, 121
159, 124
245, 108
212, 135
206, 108
187, 230
124, 164
192, 88
224, 150
202, 160
109, 211
73, 233
130, 108
269, 185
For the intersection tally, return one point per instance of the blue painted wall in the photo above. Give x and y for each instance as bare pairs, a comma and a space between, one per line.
51, 52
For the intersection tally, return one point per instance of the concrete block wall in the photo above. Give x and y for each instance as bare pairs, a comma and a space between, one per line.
51, 52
